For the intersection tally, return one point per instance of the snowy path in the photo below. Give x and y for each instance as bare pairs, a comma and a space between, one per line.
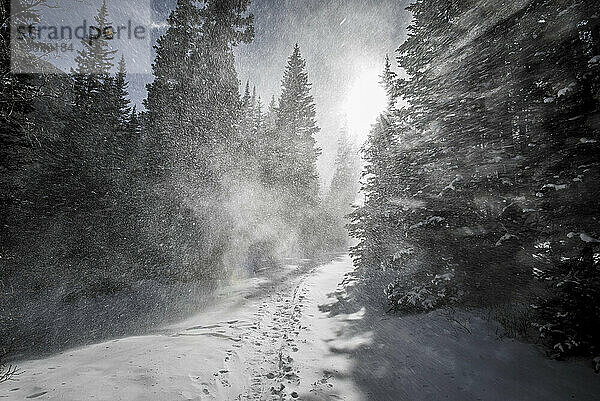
312, 333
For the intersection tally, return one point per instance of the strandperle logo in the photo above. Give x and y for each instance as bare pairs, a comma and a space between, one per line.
83, 31
49, 39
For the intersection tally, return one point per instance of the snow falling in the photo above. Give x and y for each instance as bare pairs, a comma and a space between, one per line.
313, 200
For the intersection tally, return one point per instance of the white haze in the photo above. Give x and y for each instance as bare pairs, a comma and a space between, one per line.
343, 42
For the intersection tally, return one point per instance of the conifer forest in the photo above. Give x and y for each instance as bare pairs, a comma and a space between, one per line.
299, 199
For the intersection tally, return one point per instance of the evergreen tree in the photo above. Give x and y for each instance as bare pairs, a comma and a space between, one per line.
96, 56
389, 81
270, 150
13, 111
195, 91
247, 98
121, 105
80, 179
94, 63
296, 127
133, 125
194, 107
118, 115
19, 94
272, 112
376, 222
173, 88
248, 134
344, 184
344, 187
225, 24
480, 179
259, 131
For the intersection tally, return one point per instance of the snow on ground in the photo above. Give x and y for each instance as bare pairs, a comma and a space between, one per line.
312, 332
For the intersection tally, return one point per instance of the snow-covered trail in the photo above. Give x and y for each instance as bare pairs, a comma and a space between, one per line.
313, 332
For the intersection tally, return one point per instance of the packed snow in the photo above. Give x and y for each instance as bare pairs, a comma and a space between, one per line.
309, 331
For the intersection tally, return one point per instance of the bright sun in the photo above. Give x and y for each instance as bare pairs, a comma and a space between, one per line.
364, 102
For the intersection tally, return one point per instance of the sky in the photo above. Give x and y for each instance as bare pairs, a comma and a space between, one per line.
344, 43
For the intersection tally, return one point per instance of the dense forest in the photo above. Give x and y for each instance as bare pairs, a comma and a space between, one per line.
479, 191
482, 176
102, 202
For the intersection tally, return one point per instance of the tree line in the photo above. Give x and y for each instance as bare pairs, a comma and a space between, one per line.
203, 184
482, 176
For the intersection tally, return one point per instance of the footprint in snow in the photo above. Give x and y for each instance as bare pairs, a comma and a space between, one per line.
36, 395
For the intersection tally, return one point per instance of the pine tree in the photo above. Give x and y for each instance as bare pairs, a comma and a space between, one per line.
376, 223
344, 188
80, 174
296, 127
133, 125
270, 148
18, 96
247, 98
94, 63
122, 101
225, 24
344, 184
389, 82
258, 128
491, 164
195, 91
191, 144
96, 56
84, 146
97, 98
272, 112
247, 134
121, 141
254, 145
